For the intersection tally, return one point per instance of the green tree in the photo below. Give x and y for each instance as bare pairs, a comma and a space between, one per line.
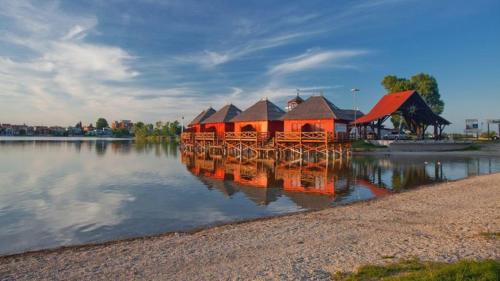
101, 123
425, 84
140, 130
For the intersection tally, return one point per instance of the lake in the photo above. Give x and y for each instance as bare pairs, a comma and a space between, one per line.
56, 191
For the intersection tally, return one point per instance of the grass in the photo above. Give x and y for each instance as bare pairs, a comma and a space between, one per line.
491, 235
361, 145
472, 147
415, 270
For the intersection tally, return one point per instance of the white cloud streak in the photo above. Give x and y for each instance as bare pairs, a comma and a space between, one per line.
311, 60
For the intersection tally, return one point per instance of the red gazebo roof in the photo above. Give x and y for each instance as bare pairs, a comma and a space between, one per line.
387, 105
402, 101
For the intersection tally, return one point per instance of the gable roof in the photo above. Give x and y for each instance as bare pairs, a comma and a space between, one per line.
263, 110
393, 102
224, 114
202, 116
318, 107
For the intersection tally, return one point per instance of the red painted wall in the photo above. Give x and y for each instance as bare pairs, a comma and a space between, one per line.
219, 128
260, 126
327, 125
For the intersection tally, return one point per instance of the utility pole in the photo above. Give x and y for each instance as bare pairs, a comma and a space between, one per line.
354, 91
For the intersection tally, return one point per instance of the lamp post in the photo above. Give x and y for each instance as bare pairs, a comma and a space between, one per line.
354, 91
182, 125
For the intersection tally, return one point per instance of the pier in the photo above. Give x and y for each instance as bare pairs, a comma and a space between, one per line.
284, 146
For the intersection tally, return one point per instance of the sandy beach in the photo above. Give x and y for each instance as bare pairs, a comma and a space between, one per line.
444, 222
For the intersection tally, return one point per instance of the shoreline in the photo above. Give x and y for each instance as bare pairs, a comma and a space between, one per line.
215, 225
247, 243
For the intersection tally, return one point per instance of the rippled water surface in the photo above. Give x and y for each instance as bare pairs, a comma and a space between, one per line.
55, 192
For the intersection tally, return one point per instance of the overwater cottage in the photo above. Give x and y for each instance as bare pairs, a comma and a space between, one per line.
196, 125
318, 114
263, 117
220, 122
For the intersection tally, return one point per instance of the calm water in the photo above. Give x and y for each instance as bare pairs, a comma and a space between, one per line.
55, 193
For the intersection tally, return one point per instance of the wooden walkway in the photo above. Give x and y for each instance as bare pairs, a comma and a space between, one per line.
288, 146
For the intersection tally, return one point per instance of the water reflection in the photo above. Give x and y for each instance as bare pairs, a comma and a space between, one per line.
345, 181
55, 192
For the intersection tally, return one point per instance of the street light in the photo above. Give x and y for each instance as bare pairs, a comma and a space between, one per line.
353, 91
182, 125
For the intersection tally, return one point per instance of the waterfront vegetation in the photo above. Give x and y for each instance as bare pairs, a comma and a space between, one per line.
160, 130
416, 270
362, 145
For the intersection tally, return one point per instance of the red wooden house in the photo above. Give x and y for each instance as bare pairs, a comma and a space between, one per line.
196, 125
317, 114
220, 122
262, 117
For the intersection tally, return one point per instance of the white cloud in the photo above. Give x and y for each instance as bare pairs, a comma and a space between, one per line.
311, 60
211, 59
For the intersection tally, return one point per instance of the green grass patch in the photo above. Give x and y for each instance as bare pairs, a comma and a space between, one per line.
415, 270
491, 235
473, 147
361, 145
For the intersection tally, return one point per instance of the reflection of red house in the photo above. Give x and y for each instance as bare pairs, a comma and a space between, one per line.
196, 125
308, 181
219, 122
250, 175
376, 190
318, 114
262, 117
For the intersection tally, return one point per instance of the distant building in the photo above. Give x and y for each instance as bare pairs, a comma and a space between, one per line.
42, 131
6, 130
123, 124
105, 132
89, 128
74, 131
57, 131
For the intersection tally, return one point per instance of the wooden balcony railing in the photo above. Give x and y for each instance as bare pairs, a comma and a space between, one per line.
187, 136
310, 137
207, 136
246, 136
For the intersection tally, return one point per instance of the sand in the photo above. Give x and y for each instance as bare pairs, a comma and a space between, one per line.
441, 223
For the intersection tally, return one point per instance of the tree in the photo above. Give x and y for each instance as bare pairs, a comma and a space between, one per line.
140, 130
425, 84
101, 123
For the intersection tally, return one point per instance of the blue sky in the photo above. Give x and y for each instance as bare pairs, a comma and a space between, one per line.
65, 61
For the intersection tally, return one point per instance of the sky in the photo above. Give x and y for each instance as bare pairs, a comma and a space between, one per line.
67, 61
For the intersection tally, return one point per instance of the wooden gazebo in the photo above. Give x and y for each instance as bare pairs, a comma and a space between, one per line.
411, 107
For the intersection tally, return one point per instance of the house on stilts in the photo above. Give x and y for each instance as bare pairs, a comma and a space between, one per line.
195, 127
315, 126
220, 122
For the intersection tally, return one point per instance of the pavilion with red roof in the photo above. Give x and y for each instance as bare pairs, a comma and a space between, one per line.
411, 107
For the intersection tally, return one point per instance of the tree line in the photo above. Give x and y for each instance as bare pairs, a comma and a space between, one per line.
159, 129
170, 129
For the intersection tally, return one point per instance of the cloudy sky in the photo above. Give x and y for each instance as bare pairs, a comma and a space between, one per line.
65, 61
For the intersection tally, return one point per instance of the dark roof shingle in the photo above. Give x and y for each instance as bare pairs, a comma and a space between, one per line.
318, 107
202, 116
263, 110
224, 114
